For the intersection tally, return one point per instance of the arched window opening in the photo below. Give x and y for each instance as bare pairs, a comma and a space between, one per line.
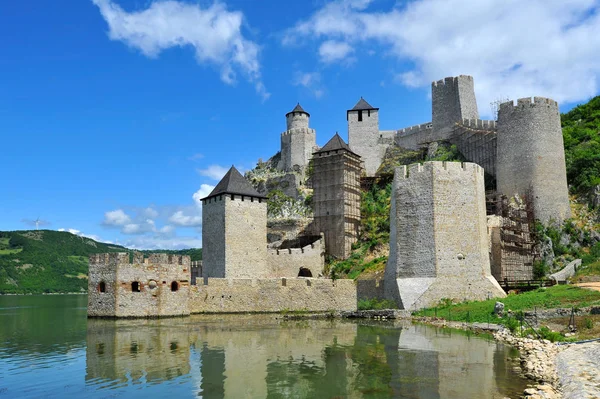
102, 286
174, 286
304, 272
135, 286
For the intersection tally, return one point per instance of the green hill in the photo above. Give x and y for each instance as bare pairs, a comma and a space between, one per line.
45, 261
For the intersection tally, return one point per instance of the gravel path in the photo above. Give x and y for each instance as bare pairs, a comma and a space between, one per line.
578, 369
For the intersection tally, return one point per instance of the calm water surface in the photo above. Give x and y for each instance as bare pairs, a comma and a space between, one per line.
48, 348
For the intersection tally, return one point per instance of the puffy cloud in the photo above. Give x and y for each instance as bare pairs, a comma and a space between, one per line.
179, 218
331, 51
512, 48
215, 172
160, 242
118, 217
311, 81
214, 32
204, 191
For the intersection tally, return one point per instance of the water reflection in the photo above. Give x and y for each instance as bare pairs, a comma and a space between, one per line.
256, 356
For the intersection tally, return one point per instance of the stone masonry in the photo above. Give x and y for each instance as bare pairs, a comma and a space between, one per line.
298, 142
438, 236
145, 287
336, 198
531, 157
234, 230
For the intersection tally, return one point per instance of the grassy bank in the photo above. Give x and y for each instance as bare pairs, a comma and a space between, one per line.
560, 296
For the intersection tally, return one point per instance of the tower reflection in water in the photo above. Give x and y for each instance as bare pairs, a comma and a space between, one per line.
259, 356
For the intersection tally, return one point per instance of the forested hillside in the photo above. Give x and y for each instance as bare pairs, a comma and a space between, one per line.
45, 261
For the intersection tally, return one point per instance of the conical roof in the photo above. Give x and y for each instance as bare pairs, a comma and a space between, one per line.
362, 105
336, 143
234, 183
298, 108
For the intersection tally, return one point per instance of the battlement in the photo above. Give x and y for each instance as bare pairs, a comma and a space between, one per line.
527, 103
408, 171
407, 131
298, 130
113, 258
452, 80
313, 283
122, 258
478, 124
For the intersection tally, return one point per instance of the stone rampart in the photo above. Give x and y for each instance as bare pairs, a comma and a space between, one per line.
293, 261
531, 158
272, 295
452, 100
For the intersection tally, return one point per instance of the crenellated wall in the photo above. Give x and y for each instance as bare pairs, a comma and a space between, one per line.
476, 140
452, 100
272, 295
288, 262
297, 146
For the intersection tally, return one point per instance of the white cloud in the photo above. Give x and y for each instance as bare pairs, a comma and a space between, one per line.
81, 234
215, 172
159, 242
179, 218
150, 213
204, 191
311, 81
332, 51
511, 47
117, 217
214, 32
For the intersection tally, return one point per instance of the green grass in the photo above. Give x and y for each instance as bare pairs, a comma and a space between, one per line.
592, 269
481, 311
376, 304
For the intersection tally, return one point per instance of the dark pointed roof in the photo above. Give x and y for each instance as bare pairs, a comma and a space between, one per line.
298, 108
362, 105
336, 143
234, 183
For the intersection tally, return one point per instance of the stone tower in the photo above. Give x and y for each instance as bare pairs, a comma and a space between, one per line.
234, 230
531, 158
453, 99
363, 135
438, 236
298, 142
336, 198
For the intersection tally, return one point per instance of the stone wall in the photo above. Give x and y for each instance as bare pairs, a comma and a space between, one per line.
414, 137
476, 141
288, 262
152, 287
438, 236
531, 158
272, 295
453, 99
234, 234
364, 138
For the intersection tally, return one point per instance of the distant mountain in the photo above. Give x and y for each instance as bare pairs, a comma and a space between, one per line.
46, 261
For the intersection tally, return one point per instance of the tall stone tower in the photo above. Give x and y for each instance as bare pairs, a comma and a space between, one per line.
363, 134
298, 142
336, 198
438, 236
453, 99
531, 157
234, 230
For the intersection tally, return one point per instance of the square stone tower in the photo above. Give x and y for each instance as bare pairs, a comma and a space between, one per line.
336, 197
363, 135
452, 100
438, 236
234, 230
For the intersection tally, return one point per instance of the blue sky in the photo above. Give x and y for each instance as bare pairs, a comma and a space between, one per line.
117, 115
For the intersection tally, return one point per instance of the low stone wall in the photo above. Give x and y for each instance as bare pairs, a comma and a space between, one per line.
272, 295
370, 289
288, 262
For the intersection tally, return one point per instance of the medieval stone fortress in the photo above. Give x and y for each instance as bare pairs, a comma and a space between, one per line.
456, 229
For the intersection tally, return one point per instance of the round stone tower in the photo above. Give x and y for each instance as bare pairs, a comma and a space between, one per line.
297, 118
531, 157
298, 142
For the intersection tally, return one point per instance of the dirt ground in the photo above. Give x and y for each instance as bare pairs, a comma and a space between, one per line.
593, 286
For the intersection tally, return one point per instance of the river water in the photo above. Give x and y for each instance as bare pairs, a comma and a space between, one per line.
48, 348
